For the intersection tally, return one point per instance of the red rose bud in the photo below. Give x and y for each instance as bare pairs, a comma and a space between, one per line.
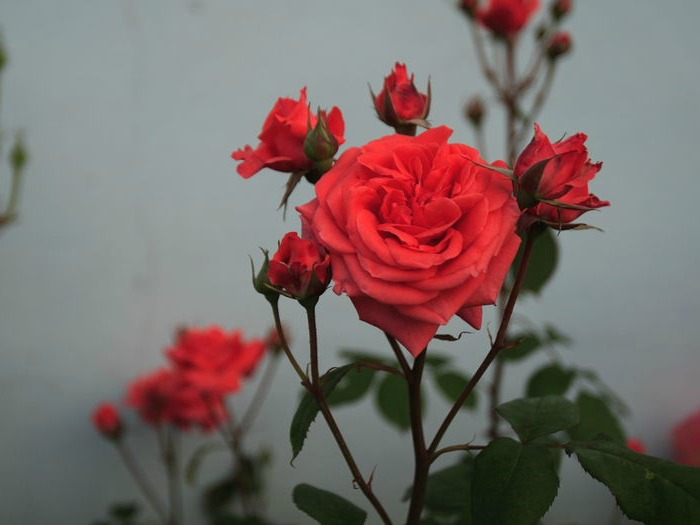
475, 110
553, 181
507, 17
400, 104
559, 45
320, 146
282, 138
637, 445
107, 420
301, 268
468, 7
560, 8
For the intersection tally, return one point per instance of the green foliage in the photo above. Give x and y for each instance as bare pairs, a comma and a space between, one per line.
526, 345
451, 384
327, 508
392, 401
596, 418
651, 490
550, 380
513, 484
308, 408
352, 387
448, 494
543, 263
536, 417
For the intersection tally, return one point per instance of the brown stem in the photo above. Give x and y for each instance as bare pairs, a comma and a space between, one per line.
455, 448
420, 454
498, 344
538, 103
486, 68
142, 482
285, 347
405, 367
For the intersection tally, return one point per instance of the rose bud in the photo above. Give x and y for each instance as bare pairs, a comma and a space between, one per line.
475, 111
468, 7
506, 18
320, 146
301, 268
560, 8
637, 445
400, 104
552, 181
107, 421
559, 44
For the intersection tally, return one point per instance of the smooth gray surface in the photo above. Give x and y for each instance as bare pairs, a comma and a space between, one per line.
133, 219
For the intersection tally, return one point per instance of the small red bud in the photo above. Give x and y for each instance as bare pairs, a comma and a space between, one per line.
474, 110
559, 45
560, 8
107, 421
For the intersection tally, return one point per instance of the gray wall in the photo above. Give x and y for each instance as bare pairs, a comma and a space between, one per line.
133, 219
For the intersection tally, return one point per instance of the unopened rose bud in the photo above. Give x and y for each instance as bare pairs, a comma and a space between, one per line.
107, 421
560, 8
400, 104
261, 280
18, 154
475, 110
468, 7
559, 45
320, 144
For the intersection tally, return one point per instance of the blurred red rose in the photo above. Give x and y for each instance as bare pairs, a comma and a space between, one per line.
282, 138
400, 103
507, 17
416, 232
213, 360
300, 267
107, 420
558, 172
686, 441
637, 445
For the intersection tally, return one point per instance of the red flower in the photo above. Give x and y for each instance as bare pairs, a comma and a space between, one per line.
416, 232
300, 267
558, 172
400, 103
165, 397
282, 138
507, 17
686, 441
559, 44
107, 420
214, 361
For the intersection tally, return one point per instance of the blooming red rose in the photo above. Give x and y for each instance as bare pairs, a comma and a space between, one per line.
400, 103
686, 441
213, 360
165, 397
107, 420
300, 267
282, 138
507, 17
417, 232
560, 172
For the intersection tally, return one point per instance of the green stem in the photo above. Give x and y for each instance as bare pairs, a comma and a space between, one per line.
285, 347
141, 481
172, 469
259, 397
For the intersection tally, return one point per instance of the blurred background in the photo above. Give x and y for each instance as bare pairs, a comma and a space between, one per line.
134, 221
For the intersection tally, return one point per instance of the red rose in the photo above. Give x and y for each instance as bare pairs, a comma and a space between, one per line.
563, 178
686, 441
215, 361
507, 17
282, 138
400, 103
416, 232
107, 420
300, 267
165, 397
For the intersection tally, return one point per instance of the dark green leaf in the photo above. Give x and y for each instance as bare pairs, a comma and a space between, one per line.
452, 384
434, 360
228, 518
392, 401
355, 355
513, 484
651, 490
308, 408
535, 417
543, 262
551, 380
124, 512
449, 489
327, 508
596, 418
352, 387
219, 494
527, 343
555, 336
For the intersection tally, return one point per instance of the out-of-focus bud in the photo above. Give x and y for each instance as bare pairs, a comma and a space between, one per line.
560, 8
107, 421
469, 7
3, 55
301, 268
637, 445
18, 155
559, 45
274, 341
261, 280
475, 110
540, 32
400, 104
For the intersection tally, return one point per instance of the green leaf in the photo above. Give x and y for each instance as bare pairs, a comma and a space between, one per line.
449, 489
527, 343
651, 490
596, 418
434, 360
354, 355
452, 384
308, 408
513, 484
543, 262
550, 380
539, 416
327, 508
555, 336
124, 512
392, 401
352, 387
